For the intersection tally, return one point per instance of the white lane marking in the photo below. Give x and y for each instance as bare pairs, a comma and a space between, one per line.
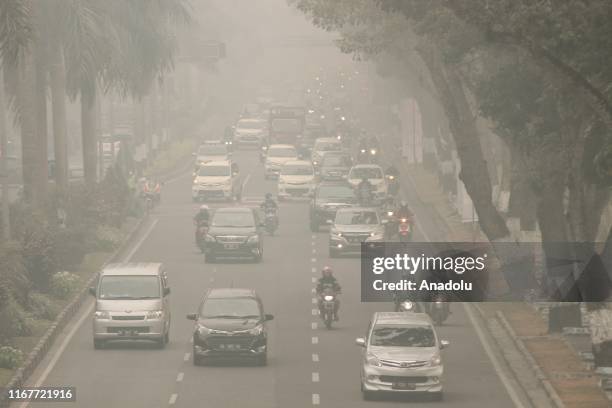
314, 301
314, 280
186, 356
180, 377
313, 290
314, 251
313, 260
79, 322
314, 237
315, 312
314, 243
314, 325
246, 180
315, 340
314, 269
315, 377
494, 361
315, 358
316, 400
173, 399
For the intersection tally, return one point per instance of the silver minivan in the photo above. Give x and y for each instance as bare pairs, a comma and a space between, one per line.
401, 354
131, 304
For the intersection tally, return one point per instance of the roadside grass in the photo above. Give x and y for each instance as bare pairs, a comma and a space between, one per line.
172, 156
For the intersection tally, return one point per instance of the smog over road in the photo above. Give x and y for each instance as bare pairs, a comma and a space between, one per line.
296, 203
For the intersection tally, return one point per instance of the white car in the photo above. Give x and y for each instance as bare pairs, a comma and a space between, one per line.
212, 151
296, 179
322, 146
250, 132
375, 175
276, 156
217, 179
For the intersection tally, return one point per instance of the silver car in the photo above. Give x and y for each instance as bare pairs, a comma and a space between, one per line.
401, 354
131, 304
351, 227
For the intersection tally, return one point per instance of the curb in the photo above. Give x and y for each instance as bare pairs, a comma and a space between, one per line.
39, 352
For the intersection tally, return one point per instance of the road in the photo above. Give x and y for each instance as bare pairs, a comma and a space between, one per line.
308, 365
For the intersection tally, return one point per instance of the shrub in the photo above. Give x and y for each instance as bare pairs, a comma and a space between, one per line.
10, 357
63, 284
108, 238
71, 245
39, 253
13, 321
42, 307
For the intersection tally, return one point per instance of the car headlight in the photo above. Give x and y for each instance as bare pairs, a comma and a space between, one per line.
376, 235
102, 315
155, 314
337, 234
407, 305
314, 162
435, 361
373, 151
390, 213
209, 238
328, 298
373, 360
256, 331
253, 239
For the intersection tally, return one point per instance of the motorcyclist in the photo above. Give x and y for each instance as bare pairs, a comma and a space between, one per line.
392, 171
327, 279
403, 211
202, 216
152, 189
364, 191
269, 203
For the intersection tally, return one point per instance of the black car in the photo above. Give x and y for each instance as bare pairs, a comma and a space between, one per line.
335, 166
234, 232
230, 325
329, 197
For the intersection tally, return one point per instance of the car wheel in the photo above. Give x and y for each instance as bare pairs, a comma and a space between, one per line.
262, 360
209, 258
161, 343
99, 344
259, 257
167, 337
368, 395
437, 396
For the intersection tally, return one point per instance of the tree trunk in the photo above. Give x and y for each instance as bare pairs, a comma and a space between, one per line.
474, 173
6, 220
88, 133
58, 100
42, 121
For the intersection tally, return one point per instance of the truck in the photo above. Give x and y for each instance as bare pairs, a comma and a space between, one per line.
286, 124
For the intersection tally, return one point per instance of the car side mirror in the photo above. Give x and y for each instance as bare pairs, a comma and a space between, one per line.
384, 221
92, 291
192, 316
235, 173
444, 344
166, 291
268, 317
329, 222
360, 341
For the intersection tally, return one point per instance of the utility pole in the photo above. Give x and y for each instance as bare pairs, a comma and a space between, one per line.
6, 220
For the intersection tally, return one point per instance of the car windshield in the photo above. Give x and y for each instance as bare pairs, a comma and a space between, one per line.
129, 287
237, 219
250, 125
212, 150
356, 218
286, 125
230, 308
403, 336
343, 192
296, 170
282, 152
367, 172
335, 161
327, 146
208, 171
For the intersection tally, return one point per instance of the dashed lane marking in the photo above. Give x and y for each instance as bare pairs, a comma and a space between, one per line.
315, 312
314, 301
186, 356
313, 260
314, 280
315, 358
315, 340
173, 399
314, 269
314, 325
316, 400
180, 377
315, 377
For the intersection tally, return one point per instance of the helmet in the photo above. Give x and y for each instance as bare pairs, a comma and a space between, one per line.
268, 196
203, 208
327, 271
403, 204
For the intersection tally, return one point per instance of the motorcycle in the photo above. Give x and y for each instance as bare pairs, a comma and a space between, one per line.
404, 230
393, 185
363, 157
200, 235
439, 310
328, 306
271, 220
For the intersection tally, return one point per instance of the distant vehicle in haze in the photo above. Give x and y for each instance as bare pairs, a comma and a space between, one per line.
235, 232
217, 180
275, 156
351, 227
286, 124
250, 132
296, 179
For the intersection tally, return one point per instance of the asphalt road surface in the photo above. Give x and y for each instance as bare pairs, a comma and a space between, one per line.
308, 365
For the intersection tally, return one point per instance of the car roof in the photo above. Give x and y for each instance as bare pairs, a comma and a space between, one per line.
327, 139
353, 209
298, 163
281, 146
332, 183
217, 293
401, 318
234, 209
216, 163
251, 120
372, 166
212, 142
132, 268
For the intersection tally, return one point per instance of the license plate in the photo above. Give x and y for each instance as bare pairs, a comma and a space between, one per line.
130, 333
230, 346
230, 246
403, 386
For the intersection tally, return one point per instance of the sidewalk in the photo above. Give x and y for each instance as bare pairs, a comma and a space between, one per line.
569, 382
